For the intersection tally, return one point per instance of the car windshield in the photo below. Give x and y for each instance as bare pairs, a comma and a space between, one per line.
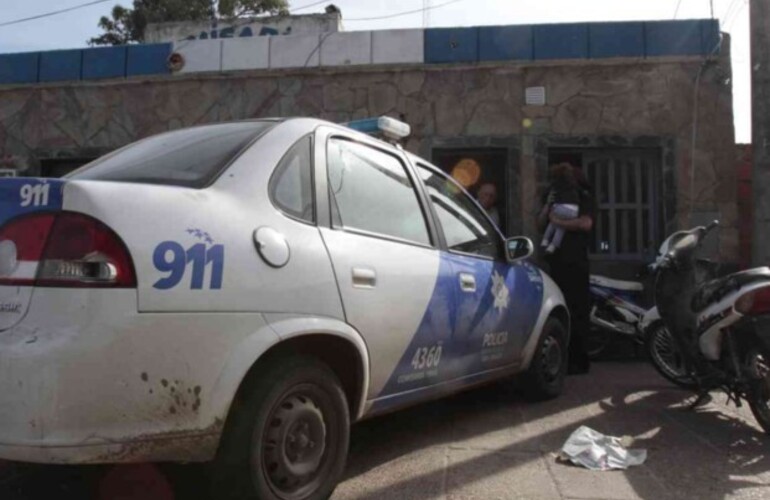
191, 157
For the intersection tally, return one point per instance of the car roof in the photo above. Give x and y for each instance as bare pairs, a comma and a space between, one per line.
411, 156
316, 122
313, 123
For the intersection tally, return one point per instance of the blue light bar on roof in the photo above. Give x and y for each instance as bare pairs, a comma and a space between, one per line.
385, 125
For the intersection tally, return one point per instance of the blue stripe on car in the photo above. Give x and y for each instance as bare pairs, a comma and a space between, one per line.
23, 195
462, 329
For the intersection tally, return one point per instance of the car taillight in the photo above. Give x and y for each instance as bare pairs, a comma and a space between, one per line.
754, 303
22, 242
65, 249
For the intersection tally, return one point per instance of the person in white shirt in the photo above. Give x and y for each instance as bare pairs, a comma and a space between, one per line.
487, 196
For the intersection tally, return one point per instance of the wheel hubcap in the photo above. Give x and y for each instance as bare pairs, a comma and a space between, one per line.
294, 444
551, 359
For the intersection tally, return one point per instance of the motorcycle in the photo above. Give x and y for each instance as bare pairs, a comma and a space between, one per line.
716, 324
617, 311
662, 350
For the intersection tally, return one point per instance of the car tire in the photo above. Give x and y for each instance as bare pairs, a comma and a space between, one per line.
544, 379
286, 437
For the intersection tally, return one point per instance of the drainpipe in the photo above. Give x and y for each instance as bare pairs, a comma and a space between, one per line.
760, 123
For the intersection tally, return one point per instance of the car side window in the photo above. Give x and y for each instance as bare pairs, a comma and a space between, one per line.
465, 228
291, 186
370, 191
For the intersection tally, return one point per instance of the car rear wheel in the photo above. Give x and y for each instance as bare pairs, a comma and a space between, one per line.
545, 377
287, 439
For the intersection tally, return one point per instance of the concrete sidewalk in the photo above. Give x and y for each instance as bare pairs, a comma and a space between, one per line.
490, 444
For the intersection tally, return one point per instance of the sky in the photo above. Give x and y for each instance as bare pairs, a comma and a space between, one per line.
72, 29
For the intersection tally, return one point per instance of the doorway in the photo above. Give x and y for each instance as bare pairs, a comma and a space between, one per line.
59, 167
625, 184
477, 167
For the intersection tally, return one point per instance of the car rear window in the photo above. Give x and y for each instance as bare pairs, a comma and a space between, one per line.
191, 157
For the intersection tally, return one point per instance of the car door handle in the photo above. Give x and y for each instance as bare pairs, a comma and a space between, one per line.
364, 278
467, 282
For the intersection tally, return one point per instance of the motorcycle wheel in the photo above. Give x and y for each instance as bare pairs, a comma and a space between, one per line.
759, 396
666, 358
597, 341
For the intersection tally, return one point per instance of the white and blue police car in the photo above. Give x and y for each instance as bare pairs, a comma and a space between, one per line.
241, 292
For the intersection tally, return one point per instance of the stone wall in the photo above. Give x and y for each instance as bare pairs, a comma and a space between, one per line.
620, 103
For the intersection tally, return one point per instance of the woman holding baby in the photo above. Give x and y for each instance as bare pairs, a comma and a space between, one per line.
567, 218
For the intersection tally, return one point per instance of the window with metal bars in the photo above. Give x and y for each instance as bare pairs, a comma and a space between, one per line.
625, 187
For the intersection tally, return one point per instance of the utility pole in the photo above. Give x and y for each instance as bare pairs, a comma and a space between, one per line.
426, 13
760, 123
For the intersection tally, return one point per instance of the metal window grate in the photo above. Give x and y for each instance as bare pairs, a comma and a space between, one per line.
626, 203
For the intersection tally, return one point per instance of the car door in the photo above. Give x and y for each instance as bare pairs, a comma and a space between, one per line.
497, 303
395, 288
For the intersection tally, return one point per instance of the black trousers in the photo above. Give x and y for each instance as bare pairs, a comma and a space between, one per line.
572, 277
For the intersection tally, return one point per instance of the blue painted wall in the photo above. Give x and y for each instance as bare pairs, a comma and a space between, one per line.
711, 36
19, 68
86, 64
442, 45
675, 38
504, 43
61, 65
561, 41
104, 62
148, 59
573, 41
451, 45
616, 40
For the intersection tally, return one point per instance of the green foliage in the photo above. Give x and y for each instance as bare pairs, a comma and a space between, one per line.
229, 9
128, 25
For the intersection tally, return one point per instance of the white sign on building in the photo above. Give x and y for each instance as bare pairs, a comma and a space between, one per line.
312, 24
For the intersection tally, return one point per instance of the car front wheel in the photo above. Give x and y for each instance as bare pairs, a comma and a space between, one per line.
287, 438
544, 379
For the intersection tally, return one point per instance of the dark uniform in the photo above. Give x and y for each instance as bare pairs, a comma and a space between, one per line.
570, 270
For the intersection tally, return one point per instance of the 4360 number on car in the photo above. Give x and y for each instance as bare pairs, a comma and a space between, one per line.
426, 357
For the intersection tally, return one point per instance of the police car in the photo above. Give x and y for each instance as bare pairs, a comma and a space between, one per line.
241, 292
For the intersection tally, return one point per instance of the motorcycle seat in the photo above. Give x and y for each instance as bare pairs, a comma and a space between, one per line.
626, 286
715, 290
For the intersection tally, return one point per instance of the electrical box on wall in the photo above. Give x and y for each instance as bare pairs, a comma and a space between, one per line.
7, 172
535, 96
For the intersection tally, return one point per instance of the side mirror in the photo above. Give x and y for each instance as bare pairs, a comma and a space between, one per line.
518, 248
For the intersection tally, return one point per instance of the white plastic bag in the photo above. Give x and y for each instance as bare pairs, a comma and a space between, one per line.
593, 450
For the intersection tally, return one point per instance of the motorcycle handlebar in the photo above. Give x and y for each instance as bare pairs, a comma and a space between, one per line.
700, 233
